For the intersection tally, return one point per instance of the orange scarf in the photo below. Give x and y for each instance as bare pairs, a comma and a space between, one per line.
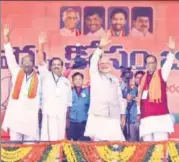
33, 85
154, 88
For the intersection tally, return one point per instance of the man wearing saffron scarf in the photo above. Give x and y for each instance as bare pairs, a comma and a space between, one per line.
156, 121
107, 107
56, 96
22, 112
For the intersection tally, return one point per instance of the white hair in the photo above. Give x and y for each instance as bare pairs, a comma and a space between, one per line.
64, 14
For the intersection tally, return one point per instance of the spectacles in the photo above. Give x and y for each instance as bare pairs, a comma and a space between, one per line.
149, 63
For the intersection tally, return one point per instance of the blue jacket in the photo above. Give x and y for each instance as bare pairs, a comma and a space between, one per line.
132, 105
80, 105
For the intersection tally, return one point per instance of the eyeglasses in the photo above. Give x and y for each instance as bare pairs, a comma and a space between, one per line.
149, 63
56, 64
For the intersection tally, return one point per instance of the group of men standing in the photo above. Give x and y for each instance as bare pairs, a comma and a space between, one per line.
97, 112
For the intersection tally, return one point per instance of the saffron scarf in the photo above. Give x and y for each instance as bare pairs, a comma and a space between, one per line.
154, 90
18, 84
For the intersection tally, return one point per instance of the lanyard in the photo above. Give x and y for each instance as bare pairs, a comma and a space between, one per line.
56, 81
28, 77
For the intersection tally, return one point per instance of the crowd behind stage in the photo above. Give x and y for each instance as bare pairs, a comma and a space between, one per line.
133, 107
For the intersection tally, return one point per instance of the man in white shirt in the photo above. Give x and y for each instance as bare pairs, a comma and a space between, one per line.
107, 107
141, 23
21, 116
56, 96
71, 19
94, 21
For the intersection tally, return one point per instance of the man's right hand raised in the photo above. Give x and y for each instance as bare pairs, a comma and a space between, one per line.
104, 41
41, 41
6, 33
42, 38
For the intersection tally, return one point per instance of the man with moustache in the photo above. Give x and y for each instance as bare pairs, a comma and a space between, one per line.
93, 20
21, 116
107, 107
118, 21
141, 23
71, 19
156, 122
56, 96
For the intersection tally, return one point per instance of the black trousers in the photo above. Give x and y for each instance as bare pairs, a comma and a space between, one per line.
76, 131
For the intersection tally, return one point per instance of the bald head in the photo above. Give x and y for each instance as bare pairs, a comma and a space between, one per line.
28, 64
27, 58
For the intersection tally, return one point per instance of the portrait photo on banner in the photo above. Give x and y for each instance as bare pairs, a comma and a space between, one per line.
94, 21
70, 21
118, 21
142, 21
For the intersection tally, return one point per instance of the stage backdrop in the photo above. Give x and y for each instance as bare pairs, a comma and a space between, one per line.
28, 19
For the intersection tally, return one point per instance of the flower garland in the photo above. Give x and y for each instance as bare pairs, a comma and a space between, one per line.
70, 155
157, 153
91, 151
14, 155
173, 151
109, 155
54, 153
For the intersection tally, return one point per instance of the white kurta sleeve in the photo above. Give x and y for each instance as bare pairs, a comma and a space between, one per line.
94, 61
11, 61
69, 96
167, 66
43, 70
122, 101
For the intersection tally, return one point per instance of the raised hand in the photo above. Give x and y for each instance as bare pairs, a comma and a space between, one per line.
6, 30
171, 44
42, 38
105, 40
72, 63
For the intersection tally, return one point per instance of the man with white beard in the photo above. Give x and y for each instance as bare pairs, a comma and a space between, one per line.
56, 96
107, 106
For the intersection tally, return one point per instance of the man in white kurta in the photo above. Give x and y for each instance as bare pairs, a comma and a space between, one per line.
21, 116
107, 104
56, 98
